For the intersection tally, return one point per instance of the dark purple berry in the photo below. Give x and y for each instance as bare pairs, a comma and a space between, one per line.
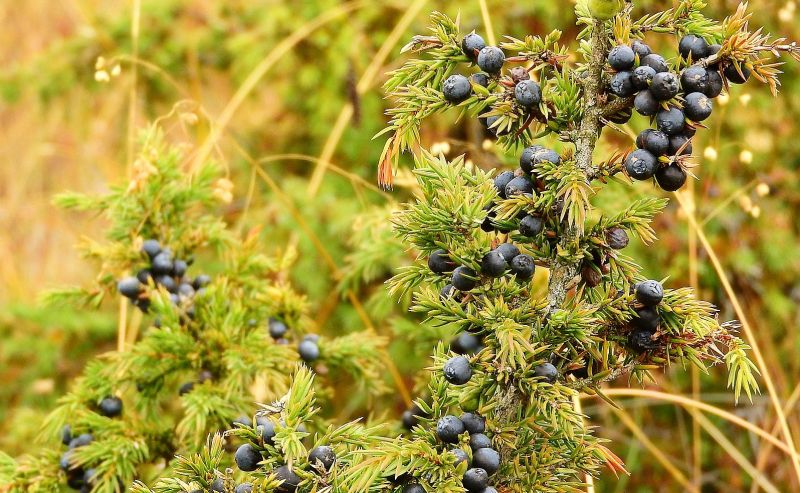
218, 485
168, 283
66, 434
501, 181
201, 281
411, 417
179, 268
493, 264
547, 372
528, 93
439, 262
523, 267
111, 406
694, 79
646, 104
478, 441
186, 388
641, 164
472, 44
525, 163
487, 459
733, 75
646, 318
308, 350
465, 343
665, 86
475, 480
491, 59
266, 429
520, 184
641, 49
715, 84
649, 293
531, 226
679, 142
464, 278
621, 84
643, 76
457, 370
488, 225
277, 328
617, 238
642, 340
129, 287
656, 62
151, 248
671, 121
697, 107
162, 264
621, 58
144, 276
654, 141
81, 440
460, 456
473, 423
447, 292
456, 89
289, 480
508, 251
545, 155
448, 428
671, 178
247, 458
480, 79
322, 455
693, 47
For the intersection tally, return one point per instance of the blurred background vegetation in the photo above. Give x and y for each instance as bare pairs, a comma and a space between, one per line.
290, 94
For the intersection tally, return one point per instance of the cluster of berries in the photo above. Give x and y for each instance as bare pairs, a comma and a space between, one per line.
321, 459
485, 460
490, 59
187, 387
522, 181
308, 348
677, 102
645, 324
79, 478
164, 271
494, 264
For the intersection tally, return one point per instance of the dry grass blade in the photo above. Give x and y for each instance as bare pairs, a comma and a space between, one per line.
262, 69
487, 21
733, 451
760, 361
654, 450
702, 406
365, 82
764, 453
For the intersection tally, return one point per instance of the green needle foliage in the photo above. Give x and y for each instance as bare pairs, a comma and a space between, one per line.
213, 345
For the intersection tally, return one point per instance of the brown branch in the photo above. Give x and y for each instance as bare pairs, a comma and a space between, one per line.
564, 274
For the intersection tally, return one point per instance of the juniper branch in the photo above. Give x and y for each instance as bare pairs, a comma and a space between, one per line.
563, 274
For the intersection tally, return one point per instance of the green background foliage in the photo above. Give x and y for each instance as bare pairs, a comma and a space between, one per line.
63, 129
